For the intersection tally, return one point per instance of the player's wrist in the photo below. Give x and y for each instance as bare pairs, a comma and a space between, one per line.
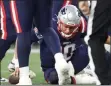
16, 63
58, 56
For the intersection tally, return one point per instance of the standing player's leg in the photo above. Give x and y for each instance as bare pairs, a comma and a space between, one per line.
8, 35
80, 58
14, 62
2, 23
22, 16
6, 45
43, 22
96, 38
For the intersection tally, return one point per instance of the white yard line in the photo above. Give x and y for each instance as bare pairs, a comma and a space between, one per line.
4, 71
32, 51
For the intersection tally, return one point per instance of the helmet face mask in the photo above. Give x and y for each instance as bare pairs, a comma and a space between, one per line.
67, 31
68, 21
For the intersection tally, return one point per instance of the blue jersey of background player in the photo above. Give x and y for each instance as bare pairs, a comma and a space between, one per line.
70, 28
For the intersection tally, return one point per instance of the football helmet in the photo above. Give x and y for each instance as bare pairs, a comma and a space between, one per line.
69, 16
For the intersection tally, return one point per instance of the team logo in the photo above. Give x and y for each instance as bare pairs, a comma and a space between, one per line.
63, 11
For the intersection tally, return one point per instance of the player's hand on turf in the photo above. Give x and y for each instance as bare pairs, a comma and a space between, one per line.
62, 69
16, 72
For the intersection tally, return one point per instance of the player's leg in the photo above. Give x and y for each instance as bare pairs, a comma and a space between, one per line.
43, 22
80, 60
22, 15
96, 36
8, 35
14, 62
6, 45
51, 76
47, 64
2, 25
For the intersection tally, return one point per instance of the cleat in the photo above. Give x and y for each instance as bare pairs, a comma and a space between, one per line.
85, 79
3, 80
32, 74
24, 81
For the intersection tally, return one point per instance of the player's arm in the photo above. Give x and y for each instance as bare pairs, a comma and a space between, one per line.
83, 27
84, 7
108, 41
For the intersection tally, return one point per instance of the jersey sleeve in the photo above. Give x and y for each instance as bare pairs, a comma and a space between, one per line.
83, 27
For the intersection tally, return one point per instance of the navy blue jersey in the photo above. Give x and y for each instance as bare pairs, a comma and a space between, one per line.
68, 48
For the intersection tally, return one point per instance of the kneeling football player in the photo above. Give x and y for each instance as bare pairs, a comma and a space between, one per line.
71, 28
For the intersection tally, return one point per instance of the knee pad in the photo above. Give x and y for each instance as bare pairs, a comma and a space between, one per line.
51, 76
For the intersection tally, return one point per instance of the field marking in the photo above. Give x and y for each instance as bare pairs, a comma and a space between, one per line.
32, 51
4, 71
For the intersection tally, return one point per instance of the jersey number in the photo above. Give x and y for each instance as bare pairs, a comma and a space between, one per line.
68, 51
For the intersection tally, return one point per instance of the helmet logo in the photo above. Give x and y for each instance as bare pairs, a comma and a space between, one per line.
63, 11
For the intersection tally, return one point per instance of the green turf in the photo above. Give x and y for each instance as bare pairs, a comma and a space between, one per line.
34, 66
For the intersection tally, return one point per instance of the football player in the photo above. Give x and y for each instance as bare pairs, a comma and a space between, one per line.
71, 28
